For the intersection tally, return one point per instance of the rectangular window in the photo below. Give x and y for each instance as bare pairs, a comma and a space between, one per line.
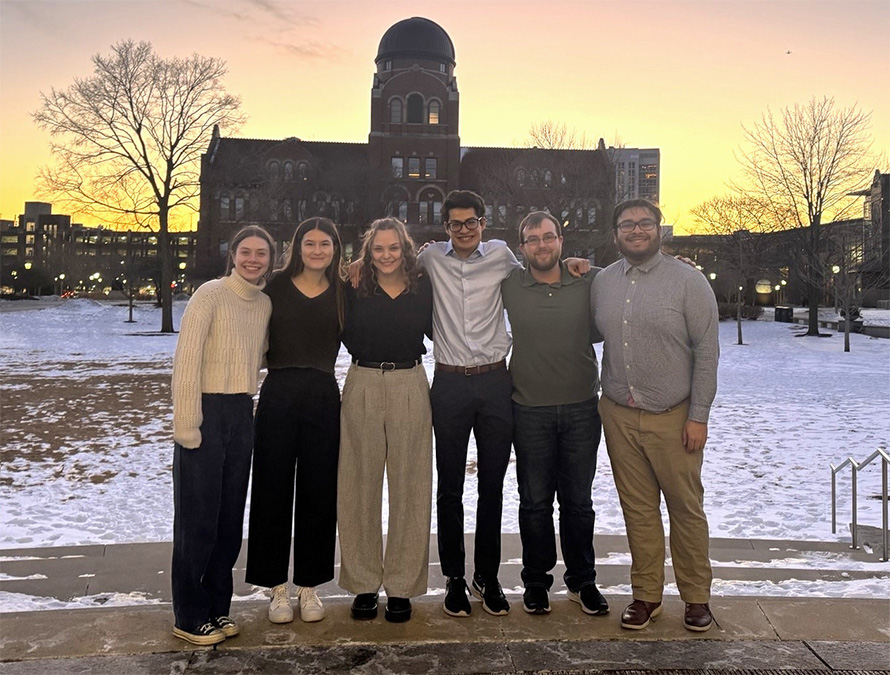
430, 168
437, 212
273, 209
239, 208
224, 208
398, 167
414, 167
424, 215
502, 213
403, 211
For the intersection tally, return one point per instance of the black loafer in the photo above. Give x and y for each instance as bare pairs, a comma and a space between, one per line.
398, 610
364, 606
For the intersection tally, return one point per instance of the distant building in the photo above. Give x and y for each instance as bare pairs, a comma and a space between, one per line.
412, 159
46, 252
637, 173
860, 246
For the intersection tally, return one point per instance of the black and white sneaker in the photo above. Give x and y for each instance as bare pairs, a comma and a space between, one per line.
590, 599
456, 601
536, 600
205, 635
489, 592
226, 625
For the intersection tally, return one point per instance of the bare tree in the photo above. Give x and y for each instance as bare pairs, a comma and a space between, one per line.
805, 162
738, 222
127, 140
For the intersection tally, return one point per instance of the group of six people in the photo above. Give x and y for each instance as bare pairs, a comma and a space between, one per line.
325, 459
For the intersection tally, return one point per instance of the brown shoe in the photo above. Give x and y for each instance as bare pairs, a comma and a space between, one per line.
638, 614
698, 617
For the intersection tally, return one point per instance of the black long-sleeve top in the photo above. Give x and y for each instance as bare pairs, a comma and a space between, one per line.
303, 331
380, 328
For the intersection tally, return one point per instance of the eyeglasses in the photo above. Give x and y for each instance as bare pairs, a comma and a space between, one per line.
548, 239
469, 223
627, 226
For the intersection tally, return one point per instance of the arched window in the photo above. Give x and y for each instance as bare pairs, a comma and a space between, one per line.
395, 111
433, 117
288, 170
415, 109
303, 171
521, 176
274, 170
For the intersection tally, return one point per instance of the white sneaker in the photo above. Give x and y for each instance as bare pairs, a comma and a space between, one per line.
280, 609
311, 608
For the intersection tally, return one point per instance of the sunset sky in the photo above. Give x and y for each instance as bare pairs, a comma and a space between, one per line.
682, 76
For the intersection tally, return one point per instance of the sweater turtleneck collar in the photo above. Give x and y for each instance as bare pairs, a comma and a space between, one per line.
242, 287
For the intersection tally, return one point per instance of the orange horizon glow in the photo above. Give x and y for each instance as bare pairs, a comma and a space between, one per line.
682, 76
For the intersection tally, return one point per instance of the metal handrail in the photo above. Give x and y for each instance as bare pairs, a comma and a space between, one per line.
855, 467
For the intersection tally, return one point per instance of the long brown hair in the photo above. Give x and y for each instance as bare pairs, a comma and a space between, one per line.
368, 284
241, 235
293, 261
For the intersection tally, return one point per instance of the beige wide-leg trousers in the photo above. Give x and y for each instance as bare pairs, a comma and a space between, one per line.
385, 423
648, 459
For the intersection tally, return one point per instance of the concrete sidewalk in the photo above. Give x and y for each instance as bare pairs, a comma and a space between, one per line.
793, 634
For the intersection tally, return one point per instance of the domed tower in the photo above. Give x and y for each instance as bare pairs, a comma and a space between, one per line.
414, 148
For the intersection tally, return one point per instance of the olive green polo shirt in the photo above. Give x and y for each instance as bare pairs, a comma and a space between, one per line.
552, 362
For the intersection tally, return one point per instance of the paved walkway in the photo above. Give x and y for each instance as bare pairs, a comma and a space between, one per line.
792, 634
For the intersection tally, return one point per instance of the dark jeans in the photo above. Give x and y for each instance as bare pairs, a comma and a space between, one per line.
209, 491
481, 404
556, 455
296, 450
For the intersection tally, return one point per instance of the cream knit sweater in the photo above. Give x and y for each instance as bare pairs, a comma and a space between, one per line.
221, 345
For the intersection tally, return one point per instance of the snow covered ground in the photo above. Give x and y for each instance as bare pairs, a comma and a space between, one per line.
87, 448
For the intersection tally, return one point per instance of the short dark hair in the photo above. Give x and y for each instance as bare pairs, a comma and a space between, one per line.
636, 203
462, 199
241, 235
534, 219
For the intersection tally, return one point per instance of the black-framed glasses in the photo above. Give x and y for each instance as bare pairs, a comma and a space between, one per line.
469, 223
534, 241
627, 226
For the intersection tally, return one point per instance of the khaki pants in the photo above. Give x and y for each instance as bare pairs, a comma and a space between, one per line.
385, 423
648, 459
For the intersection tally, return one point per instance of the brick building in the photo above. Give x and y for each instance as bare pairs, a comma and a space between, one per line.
412, 159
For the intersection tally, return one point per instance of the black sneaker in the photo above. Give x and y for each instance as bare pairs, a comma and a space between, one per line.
590, 599
491, 595
398, 610
226, 625
536, 600
208, 634
364, 606
456, 601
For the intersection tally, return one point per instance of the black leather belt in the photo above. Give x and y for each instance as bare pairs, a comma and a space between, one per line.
386, 365
471, 370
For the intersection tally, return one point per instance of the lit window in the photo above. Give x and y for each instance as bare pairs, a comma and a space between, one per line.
398, 166
430, 167
415, 109
395, 111
434, 112
414, 167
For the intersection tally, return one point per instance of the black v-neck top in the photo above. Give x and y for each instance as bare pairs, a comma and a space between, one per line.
303, 331
381, 328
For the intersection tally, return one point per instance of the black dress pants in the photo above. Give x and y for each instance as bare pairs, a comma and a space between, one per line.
294, 491
481, 404
209, 491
